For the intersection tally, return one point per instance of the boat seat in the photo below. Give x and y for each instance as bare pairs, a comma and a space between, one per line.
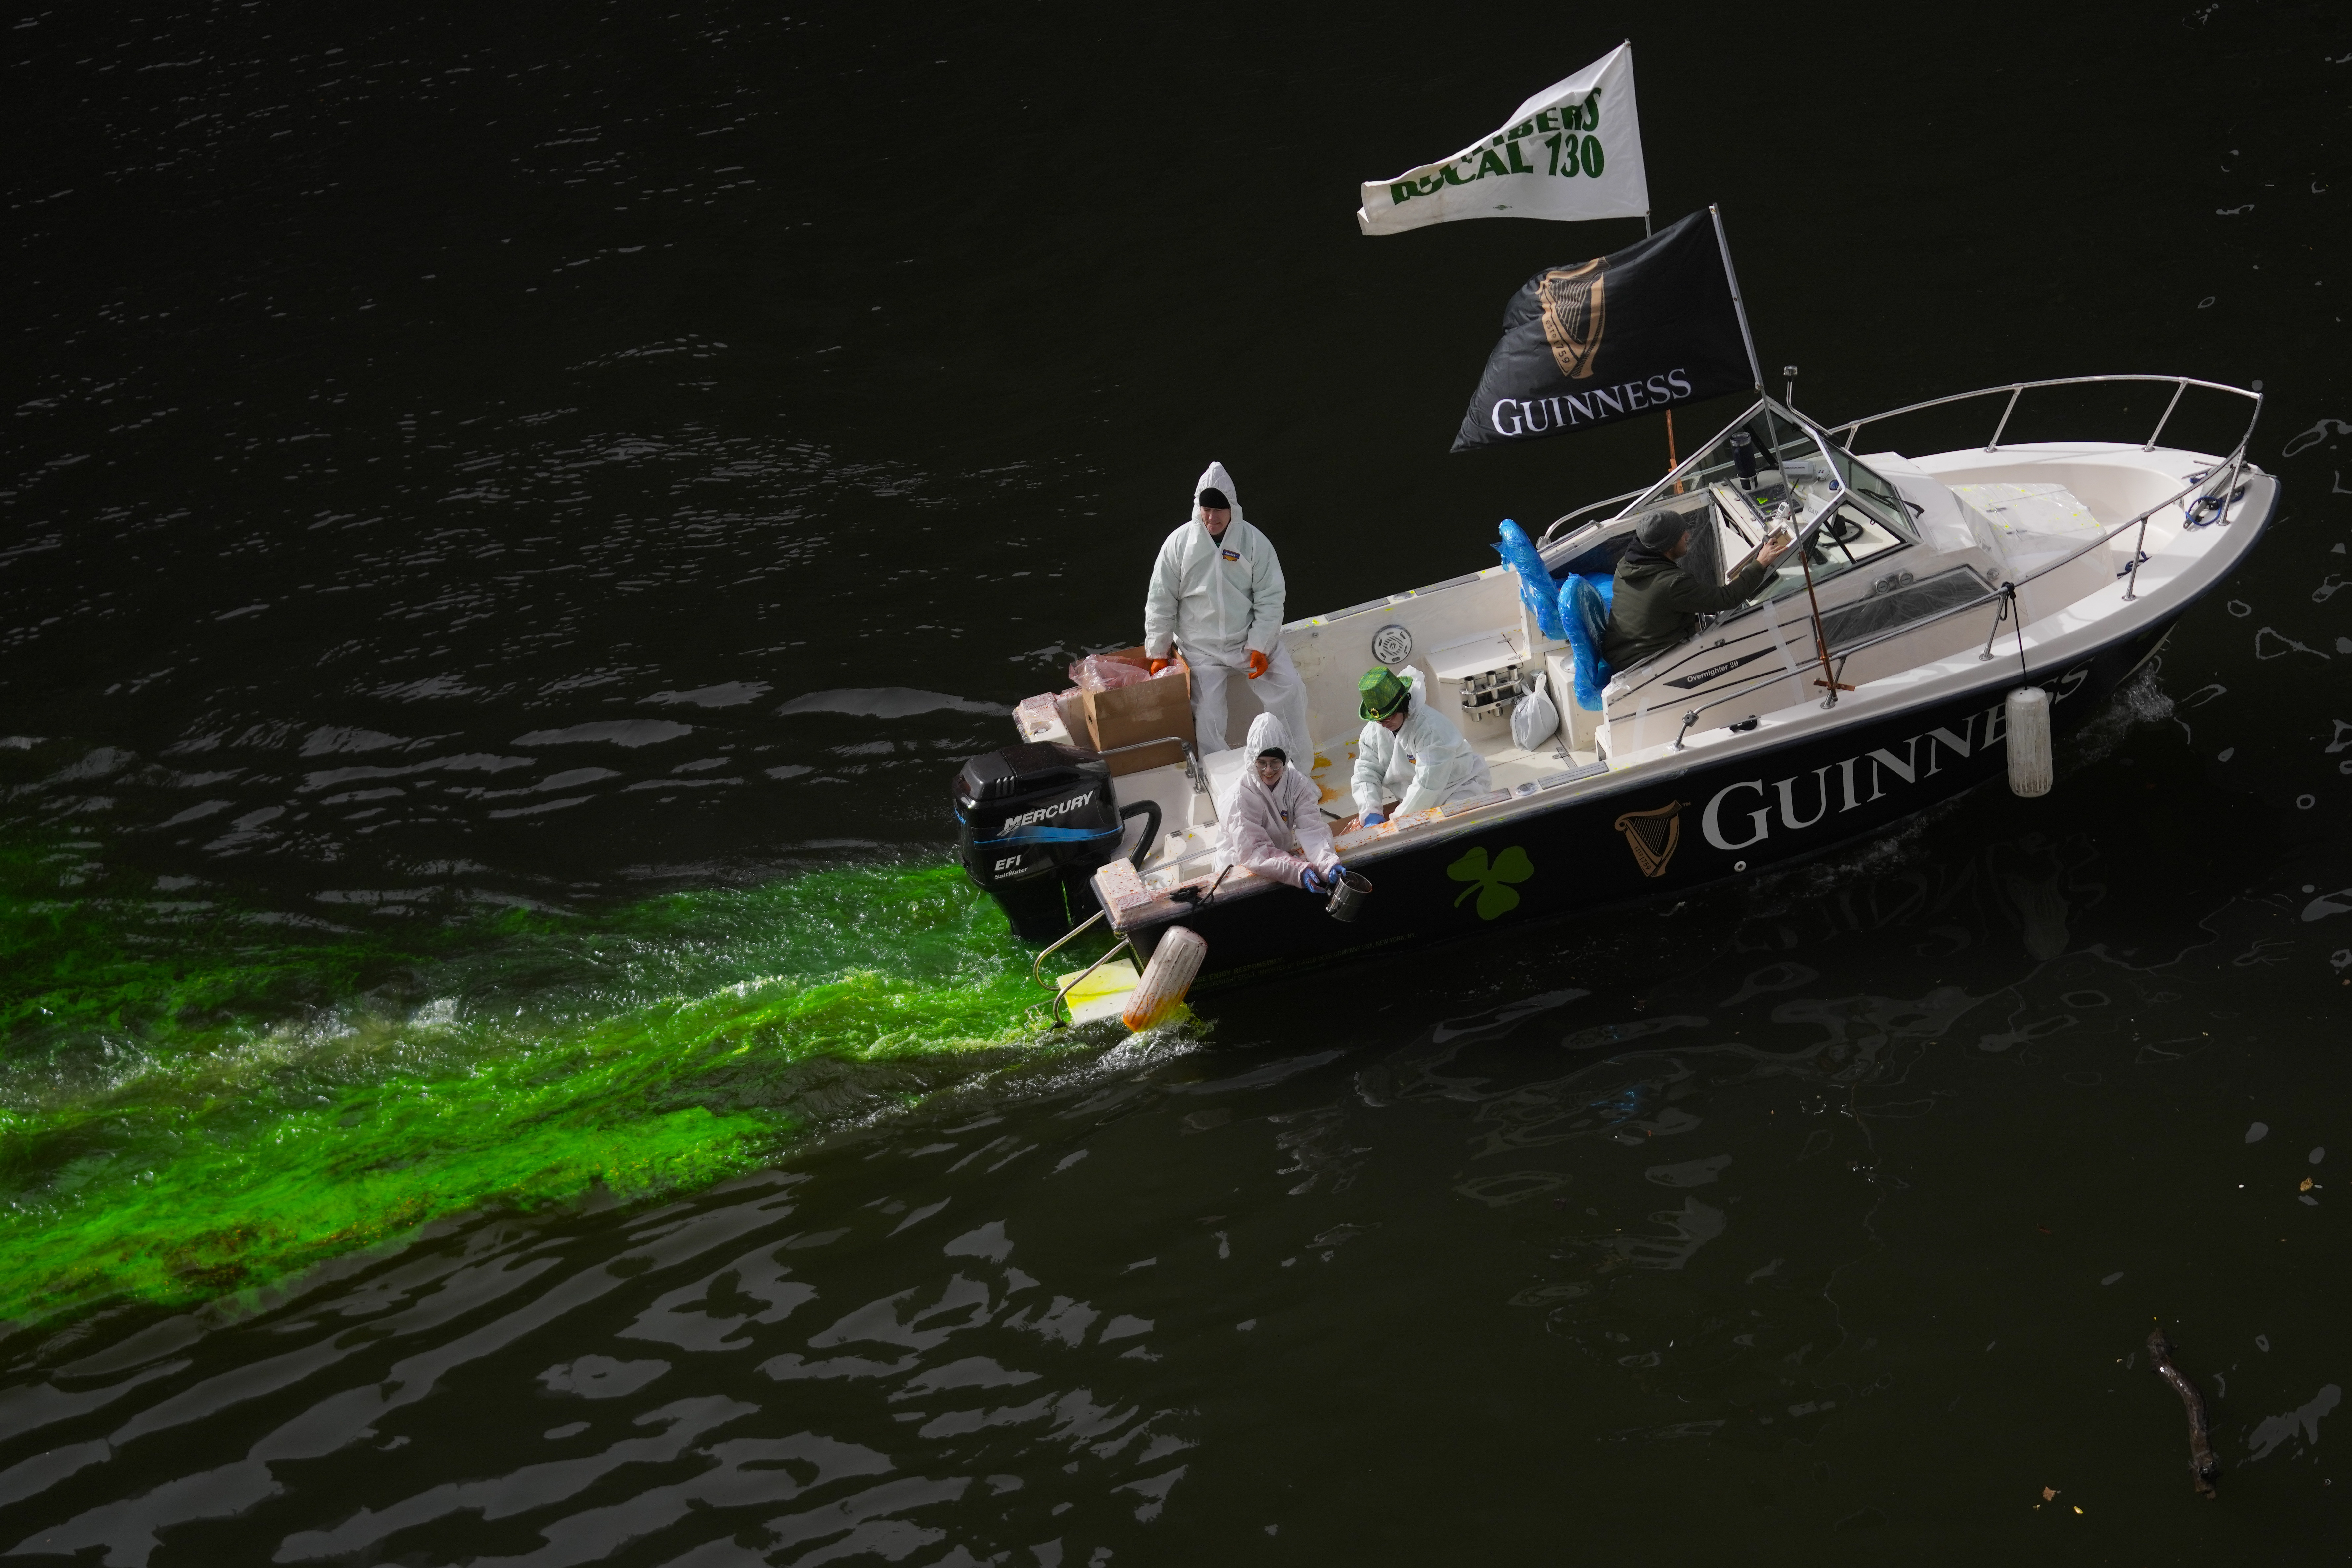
1225, 770
1584, 601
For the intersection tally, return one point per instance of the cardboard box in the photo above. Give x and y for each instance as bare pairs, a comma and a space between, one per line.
1144, 711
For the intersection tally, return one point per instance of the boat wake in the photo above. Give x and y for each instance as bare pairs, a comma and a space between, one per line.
200, 1100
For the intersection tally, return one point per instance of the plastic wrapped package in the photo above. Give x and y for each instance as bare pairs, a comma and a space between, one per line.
1536, 589
1584, 601
1103, 672
1046, 717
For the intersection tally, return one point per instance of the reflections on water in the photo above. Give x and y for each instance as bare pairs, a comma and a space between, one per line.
954, 1382
388, 621
1699, 1196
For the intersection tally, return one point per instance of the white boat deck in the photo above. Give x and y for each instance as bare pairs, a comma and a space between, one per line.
1188, 839
2033, 514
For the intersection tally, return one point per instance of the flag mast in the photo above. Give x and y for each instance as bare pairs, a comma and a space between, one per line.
1821, 637
1673, 462
1739, 306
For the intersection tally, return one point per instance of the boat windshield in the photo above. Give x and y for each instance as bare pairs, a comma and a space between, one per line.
1747, 473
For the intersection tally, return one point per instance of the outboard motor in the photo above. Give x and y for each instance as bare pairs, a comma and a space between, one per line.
1037, 820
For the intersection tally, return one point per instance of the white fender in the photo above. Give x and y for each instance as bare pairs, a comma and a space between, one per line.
1174, 965
2030, 764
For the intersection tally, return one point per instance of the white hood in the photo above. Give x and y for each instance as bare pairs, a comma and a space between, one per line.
1268, 733
1229, 771
1214, 476
1277, 831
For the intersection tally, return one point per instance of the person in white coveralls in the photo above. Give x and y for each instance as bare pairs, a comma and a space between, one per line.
1272, 822
1409, 748
1216, 592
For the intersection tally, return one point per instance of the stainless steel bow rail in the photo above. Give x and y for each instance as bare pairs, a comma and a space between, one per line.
2226, 493
2180, 383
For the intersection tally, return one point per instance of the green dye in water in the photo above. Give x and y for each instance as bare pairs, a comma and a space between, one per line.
194, 1101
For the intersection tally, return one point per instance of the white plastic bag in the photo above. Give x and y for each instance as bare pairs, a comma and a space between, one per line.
1534, 720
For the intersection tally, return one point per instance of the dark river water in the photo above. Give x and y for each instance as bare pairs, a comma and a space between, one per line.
510, 519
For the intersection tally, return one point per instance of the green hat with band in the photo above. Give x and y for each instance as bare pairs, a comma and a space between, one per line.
1382, 692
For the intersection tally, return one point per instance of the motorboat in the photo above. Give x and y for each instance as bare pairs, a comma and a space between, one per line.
1867, 680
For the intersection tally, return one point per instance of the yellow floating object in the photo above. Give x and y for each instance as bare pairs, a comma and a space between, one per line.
1101, 995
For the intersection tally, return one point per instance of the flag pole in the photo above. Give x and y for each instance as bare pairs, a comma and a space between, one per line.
1673, 462
1732, 278
1821, 636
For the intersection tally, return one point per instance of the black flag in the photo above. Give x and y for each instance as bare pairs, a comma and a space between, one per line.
1644, 328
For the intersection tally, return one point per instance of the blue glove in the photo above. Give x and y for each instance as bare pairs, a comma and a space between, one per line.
1309, 881
1373, 818
1331, 878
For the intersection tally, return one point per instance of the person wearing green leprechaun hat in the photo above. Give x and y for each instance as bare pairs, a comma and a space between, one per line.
1407, 743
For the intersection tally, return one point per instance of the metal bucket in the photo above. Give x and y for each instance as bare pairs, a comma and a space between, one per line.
1348, 898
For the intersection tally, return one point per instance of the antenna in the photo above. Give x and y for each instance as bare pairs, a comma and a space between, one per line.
1732, 278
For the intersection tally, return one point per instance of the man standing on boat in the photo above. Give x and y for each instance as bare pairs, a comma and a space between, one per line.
1409, 744
1216, 592
1656, 603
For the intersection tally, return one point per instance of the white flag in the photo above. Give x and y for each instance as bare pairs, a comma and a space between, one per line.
1573, 151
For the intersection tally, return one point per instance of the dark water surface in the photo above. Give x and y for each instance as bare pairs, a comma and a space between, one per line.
507, 521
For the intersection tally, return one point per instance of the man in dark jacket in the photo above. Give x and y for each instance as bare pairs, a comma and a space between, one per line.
1656, 603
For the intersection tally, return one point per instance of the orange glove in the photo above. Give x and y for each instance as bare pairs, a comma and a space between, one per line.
1258, 664
1154, 666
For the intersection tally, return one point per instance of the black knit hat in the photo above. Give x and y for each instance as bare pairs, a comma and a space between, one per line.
1660, 529
1214, 496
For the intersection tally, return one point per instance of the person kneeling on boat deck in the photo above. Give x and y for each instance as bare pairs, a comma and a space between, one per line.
1407, 741
1656, 603
1216, 592
1273, 824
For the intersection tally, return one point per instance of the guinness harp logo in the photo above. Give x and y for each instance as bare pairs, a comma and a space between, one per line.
1653, 836
1573, 315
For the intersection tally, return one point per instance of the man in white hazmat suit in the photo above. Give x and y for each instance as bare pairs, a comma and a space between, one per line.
1272, 822
1216, 592
1407, 741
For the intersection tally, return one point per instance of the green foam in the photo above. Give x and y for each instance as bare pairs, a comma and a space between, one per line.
195, 1099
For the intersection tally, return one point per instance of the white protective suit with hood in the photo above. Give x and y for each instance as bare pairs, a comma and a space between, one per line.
1217, 599
1274, 833
1427, 760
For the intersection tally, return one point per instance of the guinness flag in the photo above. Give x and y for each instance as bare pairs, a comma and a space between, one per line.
1644, 328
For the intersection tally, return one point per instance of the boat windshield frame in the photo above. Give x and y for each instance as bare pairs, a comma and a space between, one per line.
1852, 477
1865, 496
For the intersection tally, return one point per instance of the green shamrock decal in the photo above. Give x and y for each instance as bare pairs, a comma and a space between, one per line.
1492, 883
